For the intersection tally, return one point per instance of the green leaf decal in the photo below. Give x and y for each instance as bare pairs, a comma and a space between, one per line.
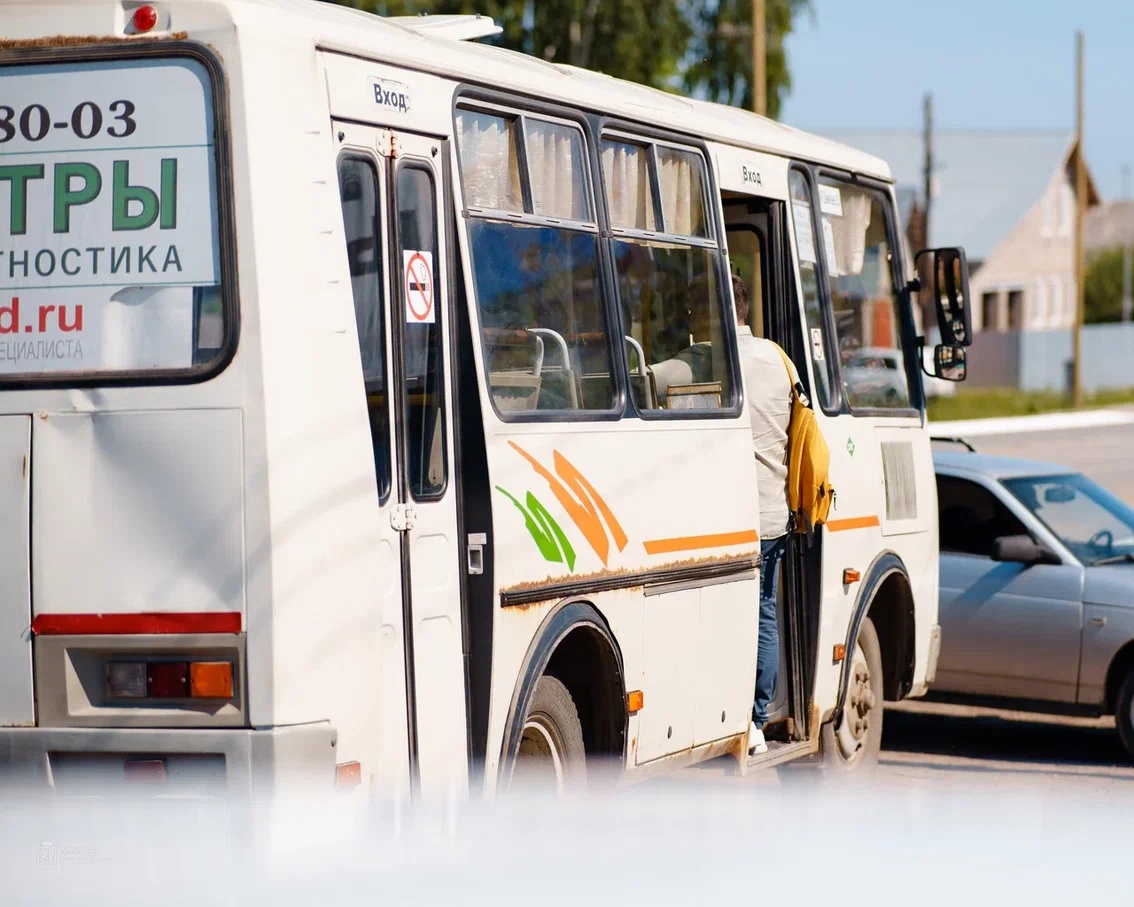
549, 538
549, 524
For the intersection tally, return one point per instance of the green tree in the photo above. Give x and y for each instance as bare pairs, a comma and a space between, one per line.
671, 44
722, 50
630, 39
1103, 291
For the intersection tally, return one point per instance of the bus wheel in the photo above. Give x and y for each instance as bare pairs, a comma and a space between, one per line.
854, 740
551, 746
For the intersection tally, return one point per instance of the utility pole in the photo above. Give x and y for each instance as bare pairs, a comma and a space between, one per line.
759, 59
1127, 263
928, 166
926, 277
1080, 207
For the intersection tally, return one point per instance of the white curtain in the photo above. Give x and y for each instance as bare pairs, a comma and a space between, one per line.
627, 176
850, 232
490, 166
555, 161
683, 205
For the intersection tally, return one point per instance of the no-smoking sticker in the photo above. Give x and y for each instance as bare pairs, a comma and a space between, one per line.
417, 270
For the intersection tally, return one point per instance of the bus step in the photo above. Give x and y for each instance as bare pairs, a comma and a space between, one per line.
778, 753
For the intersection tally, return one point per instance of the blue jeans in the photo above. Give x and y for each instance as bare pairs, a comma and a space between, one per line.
768, 647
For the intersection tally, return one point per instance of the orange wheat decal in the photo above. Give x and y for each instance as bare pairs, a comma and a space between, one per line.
584, 507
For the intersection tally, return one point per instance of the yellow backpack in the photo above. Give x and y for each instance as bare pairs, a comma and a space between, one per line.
809, 493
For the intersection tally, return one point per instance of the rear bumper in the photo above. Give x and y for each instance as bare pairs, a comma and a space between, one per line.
198, 762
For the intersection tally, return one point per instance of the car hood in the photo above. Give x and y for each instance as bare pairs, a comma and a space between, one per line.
1111, 584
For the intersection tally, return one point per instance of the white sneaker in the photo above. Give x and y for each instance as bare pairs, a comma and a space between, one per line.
756, 744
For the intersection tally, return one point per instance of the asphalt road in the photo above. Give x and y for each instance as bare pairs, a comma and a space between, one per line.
1104, 453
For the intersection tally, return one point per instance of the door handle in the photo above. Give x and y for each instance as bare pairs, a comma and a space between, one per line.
1097, 621
476, 543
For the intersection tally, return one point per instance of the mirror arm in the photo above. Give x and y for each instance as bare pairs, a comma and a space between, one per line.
921, 358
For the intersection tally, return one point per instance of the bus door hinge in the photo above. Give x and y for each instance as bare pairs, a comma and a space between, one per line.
402, 517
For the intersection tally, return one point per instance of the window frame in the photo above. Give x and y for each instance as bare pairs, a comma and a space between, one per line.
902, 299
621, 130
379, 167
226, 214
763, 244
837, 404
476, 99
993, 489
399, 339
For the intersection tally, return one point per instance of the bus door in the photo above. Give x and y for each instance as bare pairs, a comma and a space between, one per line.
422, 500
758, 254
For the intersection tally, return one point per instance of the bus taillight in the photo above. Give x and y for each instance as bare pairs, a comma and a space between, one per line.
169, 680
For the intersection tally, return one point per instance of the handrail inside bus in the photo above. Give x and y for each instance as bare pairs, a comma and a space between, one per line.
643, 369
559, 342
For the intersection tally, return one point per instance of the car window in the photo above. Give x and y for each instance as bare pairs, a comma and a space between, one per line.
971, 518
1089, 520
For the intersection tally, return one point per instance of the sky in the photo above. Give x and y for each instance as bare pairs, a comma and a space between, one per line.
990, 64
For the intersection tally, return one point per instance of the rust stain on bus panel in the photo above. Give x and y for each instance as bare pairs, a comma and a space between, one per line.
608, 574
57, 41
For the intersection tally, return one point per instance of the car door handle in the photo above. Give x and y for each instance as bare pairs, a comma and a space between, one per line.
1097, 621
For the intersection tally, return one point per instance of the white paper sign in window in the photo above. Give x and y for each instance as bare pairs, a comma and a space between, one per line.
830, 200
804, 238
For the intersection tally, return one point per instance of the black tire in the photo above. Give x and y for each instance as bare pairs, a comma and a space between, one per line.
1123, 718
863, 711
551, 746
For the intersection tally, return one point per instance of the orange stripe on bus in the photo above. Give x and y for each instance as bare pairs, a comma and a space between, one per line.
695, 542
855, 522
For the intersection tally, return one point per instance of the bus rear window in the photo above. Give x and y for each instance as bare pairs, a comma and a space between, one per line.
109, 235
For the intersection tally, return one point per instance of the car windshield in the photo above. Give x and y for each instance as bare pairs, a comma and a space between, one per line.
1089, 520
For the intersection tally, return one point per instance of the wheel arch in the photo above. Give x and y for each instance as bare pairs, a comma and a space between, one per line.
886, 597
1120, 665
574, 644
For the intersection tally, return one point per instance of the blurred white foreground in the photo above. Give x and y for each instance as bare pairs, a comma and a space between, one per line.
668, 842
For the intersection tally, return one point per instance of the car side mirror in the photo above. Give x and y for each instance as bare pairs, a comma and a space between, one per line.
1022, 549
950, 363
948, 271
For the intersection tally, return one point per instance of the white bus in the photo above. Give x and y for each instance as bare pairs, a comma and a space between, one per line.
334, 435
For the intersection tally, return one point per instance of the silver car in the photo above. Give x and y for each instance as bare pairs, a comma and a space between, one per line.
1037, 589
877, 374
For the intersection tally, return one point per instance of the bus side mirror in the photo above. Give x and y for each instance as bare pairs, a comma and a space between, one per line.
949, 363
949, 272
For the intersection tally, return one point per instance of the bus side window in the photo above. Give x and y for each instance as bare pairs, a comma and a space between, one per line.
672, 304
358, 188
534, 247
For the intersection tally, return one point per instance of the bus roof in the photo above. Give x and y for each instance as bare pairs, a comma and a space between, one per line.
365, 34
400, 43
